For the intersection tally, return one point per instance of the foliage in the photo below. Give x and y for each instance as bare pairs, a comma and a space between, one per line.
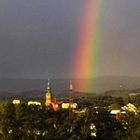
23, 122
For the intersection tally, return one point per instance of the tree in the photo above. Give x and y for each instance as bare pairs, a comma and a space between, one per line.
114, 106
8, 122
133, 129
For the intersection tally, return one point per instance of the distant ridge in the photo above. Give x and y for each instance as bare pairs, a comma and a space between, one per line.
59, 86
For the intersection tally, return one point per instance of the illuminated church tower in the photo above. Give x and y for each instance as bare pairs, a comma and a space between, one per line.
48, 95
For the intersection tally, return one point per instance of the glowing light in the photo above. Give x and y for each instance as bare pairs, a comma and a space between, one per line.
54, 104
34, 103
48, 100
93, 129
16, 102
67, 105
130, 107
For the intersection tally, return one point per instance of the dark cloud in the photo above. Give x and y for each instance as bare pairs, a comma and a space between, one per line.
37, 37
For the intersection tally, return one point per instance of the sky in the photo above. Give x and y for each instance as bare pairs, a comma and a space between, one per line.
37, 38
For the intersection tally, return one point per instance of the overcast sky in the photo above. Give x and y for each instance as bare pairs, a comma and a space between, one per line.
37, 37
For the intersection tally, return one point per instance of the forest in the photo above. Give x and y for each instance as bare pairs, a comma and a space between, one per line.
23, 122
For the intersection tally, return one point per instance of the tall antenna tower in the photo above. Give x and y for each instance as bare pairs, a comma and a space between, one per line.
70, 104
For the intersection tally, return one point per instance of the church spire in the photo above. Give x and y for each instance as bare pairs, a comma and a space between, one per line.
48, 88
48, 95
71, 86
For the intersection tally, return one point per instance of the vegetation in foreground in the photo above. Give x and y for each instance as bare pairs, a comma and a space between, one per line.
23, 122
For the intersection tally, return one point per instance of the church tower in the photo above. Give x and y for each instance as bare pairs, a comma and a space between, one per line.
70, 94
48, 95
71, 86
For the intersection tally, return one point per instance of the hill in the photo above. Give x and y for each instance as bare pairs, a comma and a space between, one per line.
13, 87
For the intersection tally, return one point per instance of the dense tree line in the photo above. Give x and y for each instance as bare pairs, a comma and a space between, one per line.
23, 122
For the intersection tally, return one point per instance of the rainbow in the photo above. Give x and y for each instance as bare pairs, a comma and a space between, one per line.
87, 43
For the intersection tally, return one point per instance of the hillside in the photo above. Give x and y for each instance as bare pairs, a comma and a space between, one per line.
60, 86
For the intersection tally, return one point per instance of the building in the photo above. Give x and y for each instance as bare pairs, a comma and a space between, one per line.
48, 96
53, 103
16, 101
70, 105
34, 103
